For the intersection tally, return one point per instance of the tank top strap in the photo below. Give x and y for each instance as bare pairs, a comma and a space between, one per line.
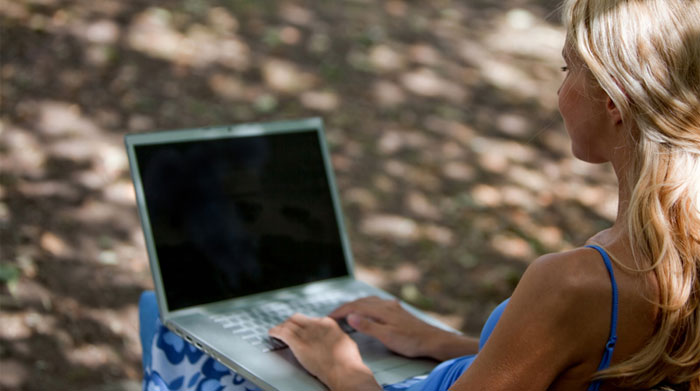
612, 339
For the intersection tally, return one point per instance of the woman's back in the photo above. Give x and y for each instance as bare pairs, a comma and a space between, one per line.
585, 271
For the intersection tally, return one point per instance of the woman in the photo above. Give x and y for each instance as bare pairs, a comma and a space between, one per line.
622, 314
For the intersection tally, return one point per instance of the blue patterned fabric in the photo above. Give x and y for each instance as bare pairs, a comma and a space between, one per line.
178, 366
172, 364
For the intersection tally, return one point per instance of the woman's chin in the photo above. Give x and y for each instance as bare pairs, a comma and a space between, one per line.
588, 156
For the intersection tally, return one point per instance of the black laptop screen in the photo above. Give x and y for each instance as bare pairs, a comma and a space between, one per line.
236, 216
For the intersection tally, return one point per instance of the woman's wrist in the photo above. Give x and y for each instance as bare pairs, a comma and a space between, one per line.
356, 377
444, 345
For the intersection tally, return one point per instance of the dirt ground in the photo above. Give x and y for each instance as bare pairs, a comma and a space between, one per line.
451, 159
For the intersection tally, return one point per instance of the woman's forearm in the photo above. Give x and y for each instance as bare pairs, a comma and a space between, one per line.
359, 378
445, 345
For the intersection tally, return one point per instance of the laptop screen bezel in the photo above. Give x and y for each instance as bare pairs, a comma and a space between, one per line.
210, 133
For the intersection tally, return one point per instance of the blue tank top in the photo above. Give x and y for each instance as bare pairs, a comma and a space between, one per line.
445, 374
612, 339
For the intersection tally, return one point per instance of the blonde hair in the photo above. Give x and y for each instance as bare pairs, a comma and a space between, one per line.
645, 54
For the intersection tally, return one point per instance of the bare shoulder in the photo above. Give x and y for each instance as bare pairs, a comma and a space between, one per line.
555, 325
573, 288
575, 273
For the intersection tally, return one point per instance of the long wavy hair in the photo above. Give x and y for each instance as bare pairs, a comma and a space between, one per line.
646, 55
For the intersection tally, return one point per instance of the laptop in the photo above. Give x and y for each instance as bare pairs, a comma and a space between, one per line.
243, 227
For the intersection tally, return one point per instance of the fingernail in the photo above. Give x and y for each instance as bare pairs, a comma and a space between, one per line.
353, 319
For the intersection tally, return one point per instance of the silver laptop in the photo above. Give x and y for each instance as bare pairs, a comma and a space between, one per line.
244, 227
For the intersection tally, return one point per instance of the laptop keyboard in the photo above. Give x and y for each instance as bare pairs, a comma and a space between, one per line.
252, 324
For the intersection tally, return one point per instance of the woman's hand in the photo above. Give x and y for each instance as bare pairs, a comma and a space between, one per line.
402, 332
326, 352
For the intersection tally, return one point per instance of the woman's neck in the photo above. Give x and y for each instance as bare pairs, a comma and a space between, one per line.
621, 161
619, 227
616, 238
619, 153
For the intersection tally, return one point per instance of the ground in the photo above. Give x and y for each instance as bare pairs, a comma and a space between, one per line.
452, 163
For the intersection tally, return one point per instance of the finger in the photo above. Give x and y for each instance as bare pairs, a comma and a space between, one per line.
370, 306
362, 301
367, 325
368, 311
378, 314
281, 333
288, 337
299, 319
286, 331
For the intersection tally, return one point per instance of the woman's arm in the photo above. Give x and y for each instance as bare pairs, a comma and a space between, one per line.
444, 345
402, 332
329, 354
558, 315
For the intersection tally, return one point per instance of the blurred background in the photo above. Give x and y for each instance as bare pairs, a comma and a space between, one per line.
454, 169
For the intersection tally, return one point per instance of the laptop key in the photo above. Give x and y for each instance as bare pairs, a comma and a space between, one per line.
251, 337
244, 332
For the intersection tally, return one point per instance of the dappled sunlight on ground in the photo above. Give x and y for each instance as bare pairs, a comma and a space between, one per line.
453, 167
